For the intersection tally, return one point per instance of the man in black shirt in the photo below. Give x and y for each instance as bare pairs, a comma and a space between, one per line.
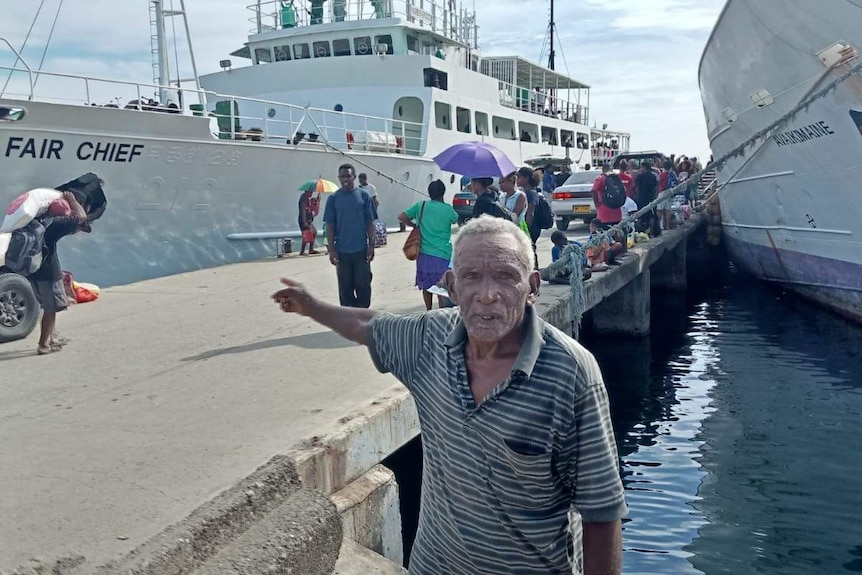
47, 281
646, 185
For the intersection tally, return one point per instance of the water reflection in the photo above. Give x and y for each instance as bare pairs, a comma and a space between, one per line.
737, 424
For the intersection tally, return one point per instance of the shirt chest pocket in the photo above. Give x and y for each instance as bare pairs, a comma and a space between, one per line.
521, 471
522, 479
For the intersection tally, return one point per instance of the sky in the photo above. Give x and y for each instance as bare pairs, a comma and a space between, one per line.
640, 57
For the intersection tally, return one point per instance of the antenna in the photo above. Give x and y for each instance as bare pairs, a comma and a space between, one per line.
552, 26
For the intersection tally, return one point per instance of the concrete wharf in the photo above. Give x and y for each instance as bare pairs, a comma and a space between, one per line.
191, 427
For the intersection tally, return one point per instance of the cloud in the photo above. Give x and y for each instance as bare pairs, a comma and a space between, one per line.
640, 58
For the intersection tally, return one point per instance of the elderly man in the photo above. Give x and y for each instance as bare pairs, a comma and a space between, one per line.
514, 416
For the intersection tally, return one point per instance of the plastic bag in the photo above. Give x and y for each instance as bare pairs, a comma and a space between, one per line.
85, 292
27, 206
380, 236
4, 245
68, 287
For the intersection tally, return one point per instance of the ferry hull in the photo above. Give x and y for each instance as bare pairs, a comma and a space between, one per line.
176, 194
833, 283
791, 206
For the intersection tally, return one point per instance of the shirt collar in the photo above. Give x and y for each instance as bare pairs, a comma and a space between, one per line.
531, 347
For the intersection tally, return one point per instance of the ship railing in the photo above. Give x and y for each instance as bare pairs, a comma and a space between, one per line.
235, 117
448, 18
541, 103
254, 119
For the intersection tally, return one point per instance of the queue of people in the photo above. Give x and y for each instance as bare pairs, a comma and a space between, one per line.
642, 183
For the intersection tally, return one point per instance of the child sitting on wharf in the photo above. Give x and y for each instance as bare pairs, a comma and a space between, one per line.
603, 252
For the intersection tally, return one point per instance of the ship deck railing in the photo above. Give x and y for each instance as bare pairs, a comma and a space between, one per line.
448, 18
236, 117
541, 103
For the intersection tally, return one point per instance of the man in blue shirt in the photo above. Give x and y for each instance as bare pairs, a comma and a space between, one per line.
349, 216
548, 180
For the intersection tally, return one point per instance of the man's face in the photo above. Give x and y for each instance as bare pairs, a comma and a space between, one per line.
363, 181
523, 182
476, 187
346, 178
491, 285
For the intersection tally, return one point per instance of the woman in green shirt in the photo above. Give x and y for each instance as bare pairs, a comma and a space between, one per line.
435, 219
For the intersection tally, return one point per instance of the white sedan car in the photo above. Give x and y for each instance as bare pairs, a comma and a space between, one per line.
574, 199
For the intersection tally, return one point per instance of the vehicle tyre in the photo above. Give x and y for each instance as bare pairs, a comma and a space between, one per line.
563, 224
462, 221
19, 310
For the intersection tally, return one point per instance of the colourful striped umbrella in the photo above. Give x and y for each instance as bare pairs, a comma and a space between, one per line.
319, 185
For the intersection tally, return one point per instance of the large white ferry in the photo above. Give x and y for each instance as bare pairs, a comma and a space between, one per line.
791, 206
206, 175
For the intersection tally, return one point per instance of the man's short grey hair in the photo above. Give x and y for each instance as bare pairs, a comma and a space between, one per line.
490, 225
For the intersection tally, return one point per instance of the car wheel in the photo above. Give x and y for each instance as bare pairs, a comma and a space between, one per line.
462, 221
19, 310
563, 224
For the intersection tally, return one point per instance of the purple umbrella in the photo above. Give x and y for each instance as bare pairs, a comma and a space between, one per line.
476, 160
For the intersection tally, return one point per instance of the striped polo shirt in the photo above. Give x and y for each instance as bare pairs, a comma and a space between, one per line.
499, 479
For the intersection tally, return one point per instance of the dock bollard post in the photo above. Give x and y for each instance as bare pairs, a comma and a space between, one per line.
283, 246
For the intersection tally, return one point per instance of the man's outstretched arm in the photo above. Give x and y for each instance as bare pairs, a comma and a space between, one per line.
350, 323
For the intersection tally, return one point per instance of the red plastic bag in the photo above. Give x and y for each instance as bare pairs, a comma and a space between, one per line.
83, 295
307, 236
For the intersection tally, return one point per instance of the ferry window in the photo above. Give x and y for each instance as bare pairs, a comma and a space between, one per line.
362, 46
385, 39
300, 51
462, 120
412, 44
549, 136
504, 128
567, 138
263, 55
341, 47
482, 123
282, 53
436, 79
321, 49
442, 113
583, 141
528, 132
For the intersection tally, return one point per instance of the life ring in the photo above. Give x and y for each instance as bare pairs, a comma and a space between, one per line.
350, 140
